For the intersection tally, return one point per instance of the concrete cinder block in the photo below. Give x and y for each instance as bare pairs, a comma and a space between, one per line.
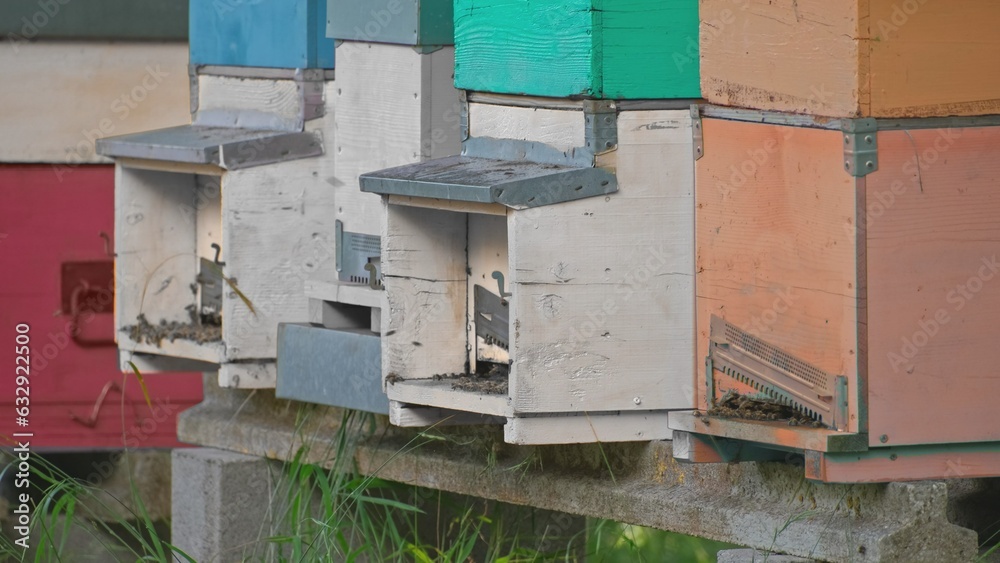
755, 556
219, 503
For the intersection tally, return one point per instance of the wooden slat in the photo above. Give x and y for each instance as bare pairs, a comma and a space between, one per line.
67, 94
934, 287
776, 244
696, 448
440, 394
587, 428
117, 20
394, 107
248, 375
211, 353
423, 259
404, 415
562, 129
879, 58
929, 60
603, 287
957, 461
766, 432
277, 233
755, 55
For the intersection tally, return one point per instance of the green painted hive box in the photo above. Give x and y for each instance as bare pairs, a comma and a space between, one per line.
617, 49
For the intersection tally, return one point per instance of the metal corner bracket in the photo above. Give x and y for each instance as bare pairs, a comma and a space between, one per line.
860, 146
696, 132
600, 125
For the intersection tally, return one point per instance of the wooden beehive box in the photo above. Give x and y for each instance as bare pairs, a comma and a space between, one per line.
396, 105
880, 58
589, 336
285, 34
420, 23
623, 50
878, 280
239, 177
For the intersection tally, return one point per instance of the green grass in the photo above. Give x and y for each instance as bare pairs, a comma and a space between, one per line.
614, 542
331, 512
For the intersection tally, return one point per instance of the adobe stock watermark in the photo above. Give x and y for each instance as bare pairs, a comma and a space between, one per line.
900, 16
122, 107
784, 299
32, 26
927, 328
757, 158
879, 202
634, 281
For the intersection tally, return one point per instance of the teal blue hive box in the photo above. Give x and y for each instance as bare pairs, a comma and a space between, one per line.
253, 33
401, 22
613, 49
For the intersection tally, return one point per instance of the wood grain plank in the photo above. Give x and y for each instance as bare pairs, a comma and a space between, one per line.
274, 102
277, 233
423, 259
562, 129
440, 394
649, 49
394, 107
248, 375
587, 428
927, 58
595, 302
409, 416
99, 93
155, 235
883, 465
776, 243
541, 48
800, 56
933, 287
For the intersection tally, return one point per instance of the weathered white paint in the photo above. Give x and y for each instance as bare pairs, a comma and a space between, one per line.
274, 224
602, 311
249, 102
423, 260
410, 416
587, 427
433, 393
348, 293
156, 238
604, 287
395, 106
277, 233
59, 96
248, 375
562, 129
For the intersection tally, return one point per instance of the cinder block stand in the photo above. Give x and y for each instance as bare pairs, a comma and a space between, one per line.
219, 503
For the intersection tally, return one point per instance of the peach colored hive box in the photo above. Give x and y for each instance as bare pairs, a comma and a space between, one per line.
850, 268
879, 58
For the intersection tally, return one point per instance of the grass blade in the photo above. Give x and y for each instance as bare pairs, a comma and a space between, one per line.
232, 285
142, 383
